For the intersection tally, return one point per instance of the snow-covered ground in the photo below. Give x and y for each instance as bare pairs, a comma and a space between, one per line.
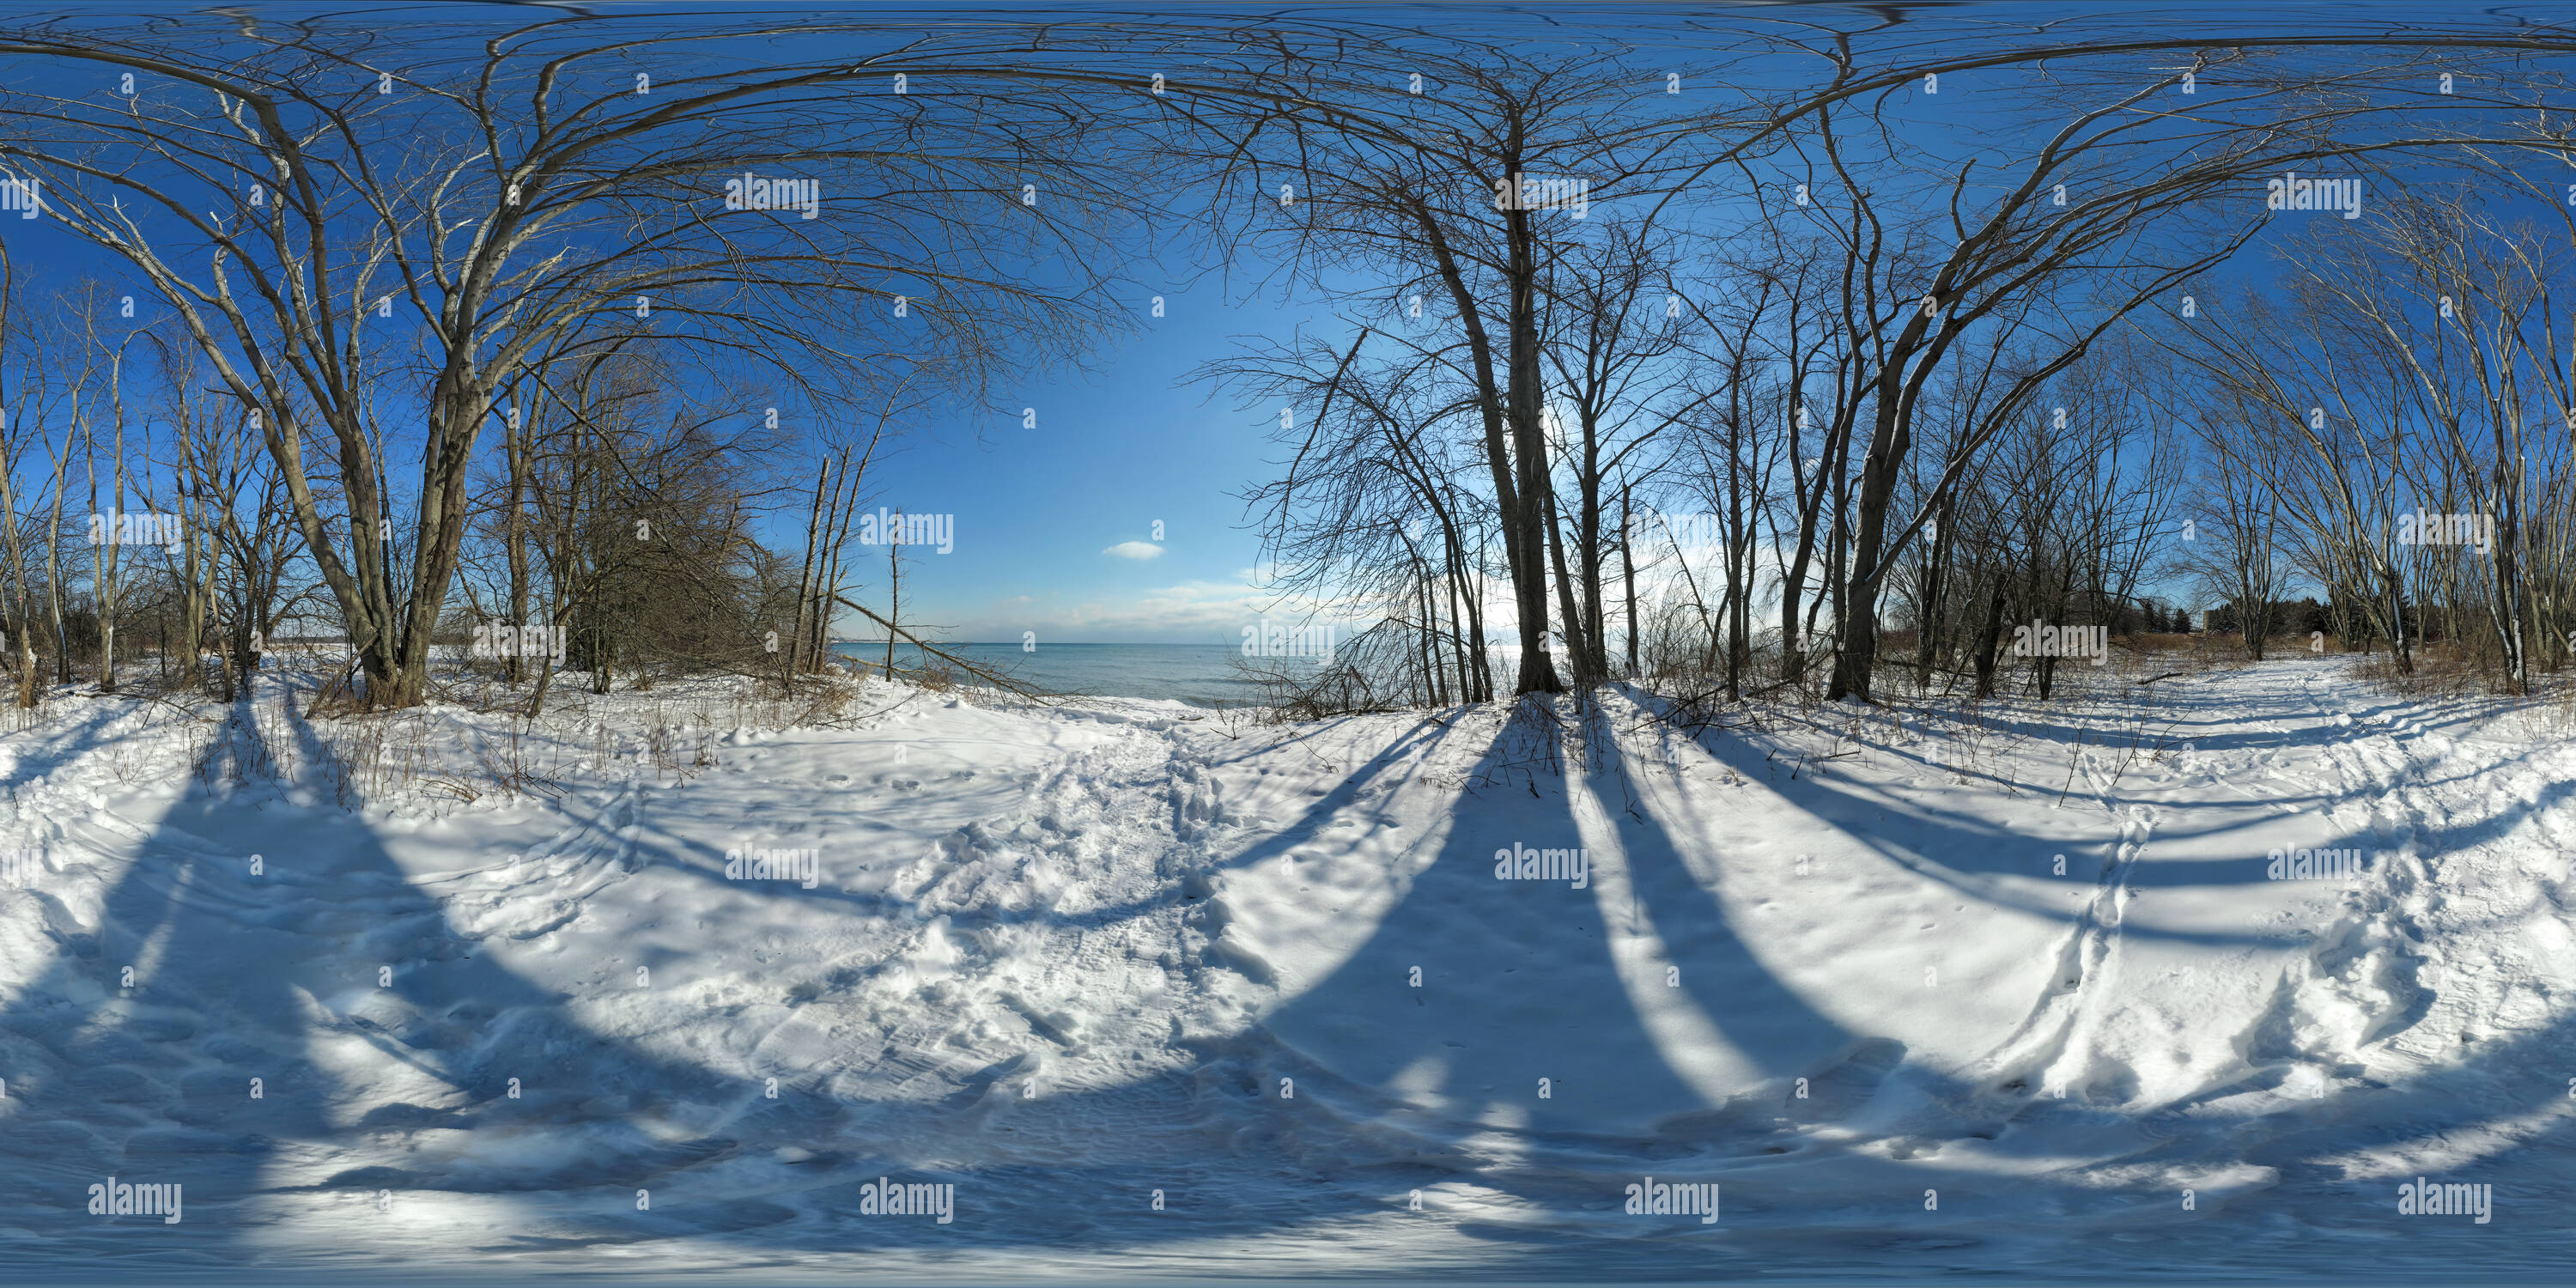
1160, 993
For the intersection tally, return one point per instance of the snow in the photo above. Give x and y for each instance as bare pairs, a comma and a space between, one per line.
1065, 959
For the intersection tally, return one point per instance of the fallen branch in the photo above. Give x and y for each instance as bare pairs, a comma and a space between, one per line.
996, 680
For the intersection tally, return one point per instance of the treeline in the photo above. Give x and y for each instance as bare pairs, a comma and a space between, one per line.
511, 337
1824, 355
1744, 406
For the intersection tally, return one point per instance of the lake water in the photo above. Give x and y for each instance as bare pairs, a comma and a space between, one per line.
1200, 674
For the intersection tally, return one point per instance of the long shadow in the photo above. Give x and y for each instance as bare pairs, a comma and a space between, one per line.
2165, 870
367, 1086
689, 856
1954, 846
1398, 1088
256, 1052
98, 1071
1468, 1059
2508, 1079
1646, 1069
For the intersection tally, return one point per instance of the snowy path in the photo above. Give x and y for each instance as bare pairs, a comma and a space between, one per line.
1159, 996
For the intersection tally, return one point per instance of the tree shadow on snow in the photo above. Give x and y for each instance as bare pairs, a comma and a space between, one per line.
403, 1088
365, 1087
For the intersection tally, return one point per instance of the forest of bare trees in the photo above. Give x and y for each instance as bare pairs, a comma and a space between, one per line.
1817, 385
1826, 362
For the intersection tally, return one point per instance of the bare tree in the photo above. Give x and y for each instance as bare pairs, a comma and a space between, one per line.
506, 202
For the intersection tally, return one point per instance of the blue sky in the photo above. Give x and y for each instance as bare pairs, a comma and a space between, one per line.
1116, 448
1120, 444
1122, 440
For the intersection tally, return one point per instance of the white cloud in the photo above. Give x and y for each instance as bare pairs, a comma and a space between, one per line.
1135, 550
1188, 612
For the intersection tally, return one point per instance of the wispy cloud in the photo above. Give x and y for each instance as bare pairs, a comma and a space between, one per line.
1188, 612
1135, 550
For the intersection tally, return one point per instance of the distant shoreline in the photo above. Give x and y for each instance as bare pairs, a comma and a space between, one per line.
1047, 643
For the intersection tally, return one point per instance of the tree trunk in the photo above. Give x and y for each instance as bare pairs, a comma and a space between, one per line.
1989, 635
1578, 650
805, 576
1926, 647
1628, 576
1856, 637
514, 447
